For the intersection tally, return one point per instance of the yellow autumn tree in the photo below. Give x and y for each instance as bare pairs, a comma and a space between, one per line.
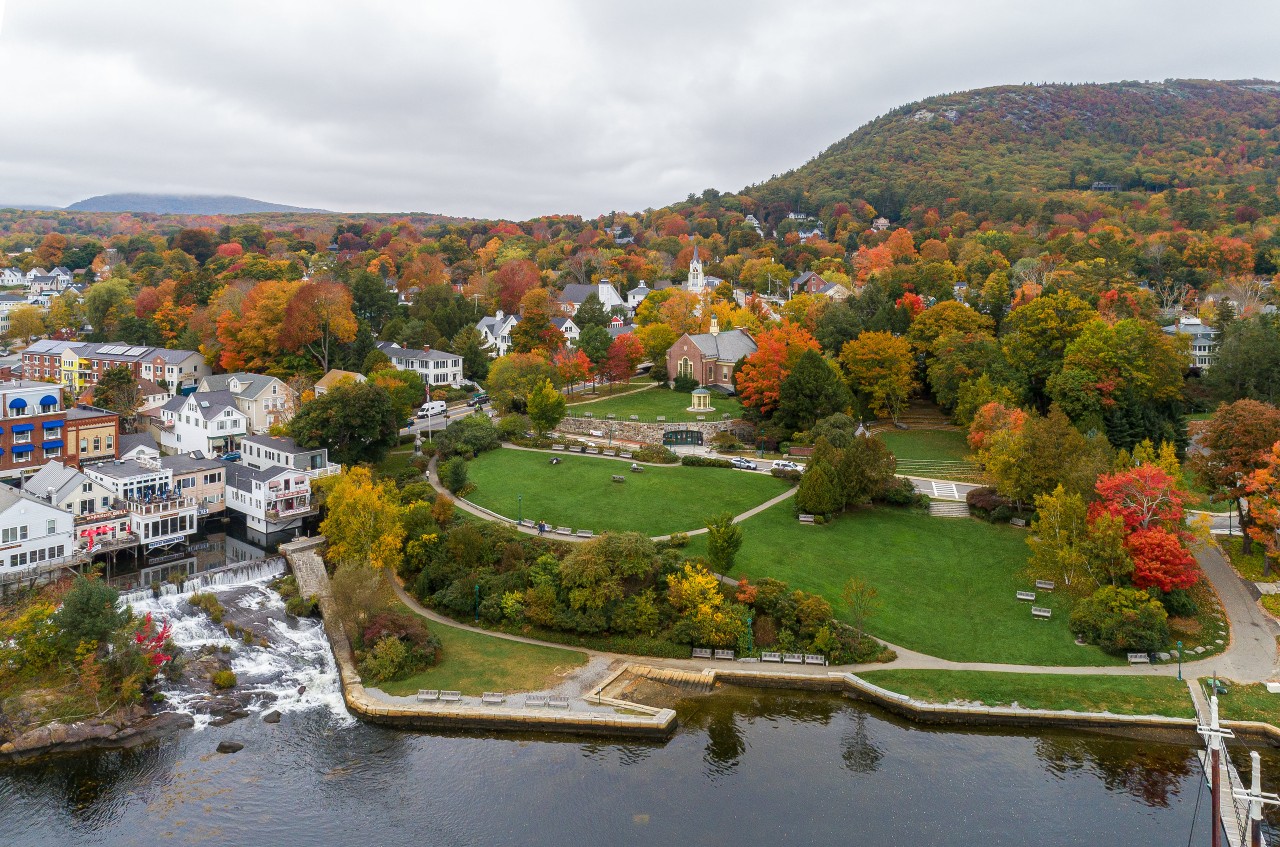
705, 616
362, 522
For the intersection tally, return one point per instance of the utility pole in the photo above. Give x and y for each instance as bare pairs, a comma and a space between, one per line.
1256, 797
1213, 735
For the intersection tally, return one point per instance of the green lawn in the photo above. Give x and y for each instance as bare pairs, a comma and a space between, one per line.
946, 585
473, 664
1121, 695
580, 493
397, 460
652, 402
1249, 703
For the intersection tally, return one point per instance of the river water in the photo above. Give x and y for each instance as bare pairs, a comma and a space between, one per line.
746, 767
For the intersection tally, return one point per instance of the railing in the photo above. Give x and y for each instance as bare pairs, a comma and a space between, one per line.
278, 514
127, 539
162, 507
327, 470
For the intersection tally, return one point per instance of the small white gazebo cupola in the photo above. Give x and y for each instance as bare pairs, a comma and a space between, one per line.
701, 401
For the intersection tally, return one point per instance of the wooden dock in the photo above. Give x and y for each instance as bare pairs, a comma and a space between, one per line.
1233, 812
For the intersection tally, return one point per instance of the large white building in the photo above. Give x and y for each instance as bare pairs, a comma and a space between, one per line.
271, 484
100, 521
495, 333
436, 367
265, 400
160, 515
208, 421
34, 534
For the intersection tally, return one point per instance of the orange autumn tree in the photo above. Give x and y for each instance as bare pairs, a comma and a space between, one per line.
777, 349
250, 336
318, 317
1263, 487
880, 369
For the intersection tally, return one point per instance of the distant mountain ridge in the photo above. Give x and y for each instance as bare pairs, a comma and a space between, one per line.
998, 145
181, 204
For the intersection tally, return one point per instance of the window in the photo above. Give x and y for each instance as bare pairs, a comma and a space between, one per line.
87, 487
52, 452
9, 535
685, 368
111, 442
21, 458
22, 438
50, 526
97, 443
84, 446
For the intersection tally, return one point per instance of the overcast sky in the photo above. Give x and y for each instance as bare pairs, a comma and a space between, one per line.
515, 109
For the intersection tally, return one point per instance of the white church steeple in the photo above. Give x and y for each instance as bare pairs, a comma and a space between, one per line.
696, 282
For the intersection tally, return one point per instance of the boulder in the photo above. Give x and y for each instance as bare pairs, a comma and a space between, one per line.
230, 746
272, 716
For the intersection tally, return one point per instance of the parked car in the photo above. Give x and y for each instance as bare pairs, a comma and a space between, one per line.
478, 401
233, 456
431, 408
743, 464
787, 466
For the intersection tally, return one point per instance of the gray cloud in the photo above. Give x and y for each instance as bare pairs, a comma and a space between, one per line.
516, 109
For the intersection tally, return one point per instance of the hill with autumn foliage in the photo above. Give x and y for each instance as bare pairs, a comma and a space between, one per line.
1011, 151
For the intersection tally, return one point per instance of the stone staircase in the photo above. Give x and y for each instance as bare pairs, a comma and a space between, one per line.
947, 509
919, 415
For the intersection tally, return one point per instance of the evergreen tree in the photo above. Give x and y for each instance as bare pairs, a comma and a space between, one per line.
812, 390
475, 359
591, 313
819, 494
595, 342
724, 539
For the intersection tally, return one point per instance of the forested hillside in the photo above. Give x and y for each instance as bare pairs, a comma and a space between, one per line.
1010, 151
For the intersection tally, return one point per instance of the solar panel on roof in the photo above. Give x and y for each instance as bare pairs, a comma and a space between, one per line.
134, 351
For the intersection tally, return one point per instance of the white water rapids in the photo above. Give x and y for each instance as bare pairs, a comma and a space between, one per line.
297, 655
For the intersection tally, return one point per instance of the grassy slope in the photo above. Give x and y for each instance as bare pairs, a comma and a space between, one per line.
579, 492
946, 586
1125, 695
1249, 703
927, 445
473, 664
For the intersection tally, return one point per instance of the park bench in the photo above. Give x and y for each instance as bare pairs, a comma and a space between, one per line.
609, 453
428, 694
806, 519
701, 653
702, 417
624, 455
535, 700
526, 522
611, 416
451, 696
493, 698
636, 468
558, 701
793, 658
1044, 584
557, 446
635, 417
584, 533
1139, 659
577, 448
1041, 612
619, 478
595, 450
724, 654
812, 659
1018, 521
564, 530
771, 657
662, 418
588, 414
1026, 595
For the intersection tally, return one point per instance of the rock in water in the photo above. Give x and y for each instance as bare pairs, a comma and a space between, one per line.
230, 746
301, 689
272, 716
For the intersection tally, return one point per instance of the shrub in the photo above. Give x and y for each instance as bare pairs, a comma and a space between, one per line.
704, 462
1121, 619
513, 427
678, 540
388, 660
901, 492
655, 454
1178, 603
725, 441
223, 679
300, 607
684, 384
789, 476
988, 504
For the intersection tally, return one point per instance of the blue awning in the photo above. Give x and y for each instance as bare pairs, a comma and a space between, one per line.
23, 427
17, 403
52, 424
48, 400
23, 448
49, 445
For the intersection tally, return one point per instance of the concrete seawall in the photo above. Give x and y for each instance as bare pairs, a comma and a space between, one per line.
308, 567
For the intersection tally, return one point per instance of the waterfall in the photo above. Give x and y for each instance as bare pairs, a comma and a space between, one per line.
230, 575
297, 654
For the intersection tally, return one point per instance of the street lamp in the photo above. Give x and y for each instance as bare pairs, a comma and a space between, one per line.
1179, 661
477, 602
519, 508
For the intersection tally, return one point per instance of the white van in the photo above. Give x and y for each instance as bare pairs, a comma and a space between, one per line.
432, 408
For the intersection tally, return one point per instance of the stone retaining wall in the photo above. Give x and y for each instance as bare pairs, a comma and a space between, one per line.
644, 433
